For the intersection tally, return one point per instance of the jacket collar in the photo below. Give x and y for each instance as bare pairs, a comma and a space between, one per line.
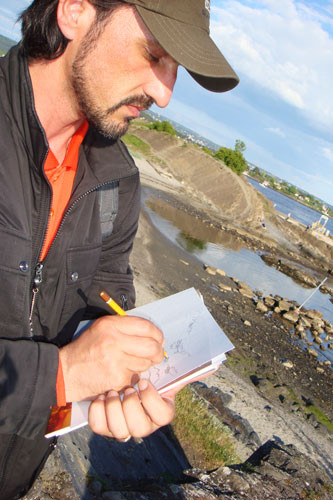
108, 159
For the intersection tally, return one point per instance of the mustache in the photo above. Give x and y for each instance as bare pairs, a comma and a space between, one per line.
140, 101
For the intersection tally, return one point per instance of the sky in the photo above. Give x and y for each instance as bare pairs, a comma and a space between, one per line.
282, 109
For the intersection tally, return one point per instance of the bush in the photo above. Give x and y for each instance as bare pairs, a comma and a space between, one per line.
162, 127
233, 159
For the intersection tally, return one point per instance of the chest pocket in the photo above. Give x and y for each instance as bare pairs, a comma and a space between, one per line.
108, 205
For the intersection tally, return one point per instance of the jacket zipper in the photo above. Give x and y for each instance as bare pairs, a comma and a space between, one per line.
38, 276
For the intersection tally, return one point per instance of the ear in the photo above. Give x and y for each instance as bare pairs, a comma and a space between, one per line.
69, 14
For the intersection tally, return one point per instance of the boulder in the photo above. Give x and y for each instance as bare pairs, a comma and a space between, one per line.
269, 301
260, 307
220, 272
304, 322
312, 352
291, 316
210, 270
284, 305
224, 288
246, 292
313, 314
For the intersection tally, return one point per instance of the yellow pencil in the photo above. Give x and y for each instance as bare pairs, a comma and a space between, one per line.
117, 309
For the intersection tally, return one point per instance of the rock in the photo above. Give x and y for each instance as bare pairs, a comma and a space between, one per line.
220, 272
184, 262
260, 307
317, 324
313, 314
247, 323
269, 301
320, 370
286, 464
291, 316
288, 364
277, 310
284, 305
303, 321
313, 352
210, 270
318, 340
224, 288
246, 292
330, 346
242, 284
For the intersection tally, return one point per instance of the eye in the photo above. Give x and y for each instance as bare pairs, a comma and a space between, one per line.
152, 57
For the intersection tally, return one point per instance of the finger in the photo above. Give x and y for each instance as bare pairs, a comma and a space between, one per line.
135, 364
137, 420
97, 417
116, 421
160, 409
133, 325
142, 347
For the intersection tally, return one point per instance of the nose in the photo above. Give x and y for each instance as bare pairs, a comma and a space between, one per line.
161, 84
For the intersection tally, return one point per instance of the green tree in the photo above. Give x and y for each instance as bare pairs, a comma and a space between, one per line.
240, 146
164, 126
233, 159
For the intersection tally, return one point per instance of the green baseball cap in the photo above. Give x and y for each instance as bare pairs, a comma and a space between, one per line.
181, 27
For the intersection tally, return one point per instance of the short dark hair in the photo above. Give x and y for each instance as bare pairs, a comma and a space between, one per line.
41, 35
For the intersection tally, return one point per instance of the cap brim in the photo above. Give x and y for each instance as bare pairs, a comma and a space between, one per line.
192, 48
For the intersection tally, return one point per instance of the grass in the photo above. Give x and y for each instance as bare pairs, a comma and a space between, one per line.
321, 417
138, 144
200, 432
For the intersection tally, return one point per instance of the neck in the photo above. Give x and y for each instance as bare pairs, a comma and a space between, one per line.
55, 104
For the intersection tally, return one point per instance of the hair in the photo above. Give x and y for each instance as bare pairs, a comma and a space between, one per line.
41, 35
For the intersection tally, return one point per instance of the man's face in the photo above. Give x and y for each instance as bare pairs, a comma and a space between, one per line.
120, 73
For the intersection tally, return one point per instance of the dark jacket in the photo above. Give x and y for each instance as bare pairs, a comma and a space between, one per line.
78, 266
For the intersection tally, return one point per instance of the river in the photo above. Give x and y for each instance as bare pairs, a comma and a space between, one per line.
286, 205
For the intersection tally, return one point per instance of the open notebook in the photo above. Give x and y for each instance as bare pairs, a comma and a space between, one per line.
194, 342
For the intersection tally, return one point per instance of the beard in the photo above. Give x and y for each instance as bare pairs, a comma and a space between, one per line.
97, 116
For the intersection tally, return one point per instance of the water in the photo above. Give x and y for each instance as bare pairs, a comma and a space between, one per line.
221, 250
287, 205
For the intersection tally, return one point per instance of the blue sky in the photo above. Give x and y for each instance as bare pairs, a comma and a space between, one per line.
283, 107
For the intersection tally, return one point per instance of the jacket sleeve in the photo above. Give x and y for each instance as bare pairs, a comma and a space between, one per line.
28, 372
114, 274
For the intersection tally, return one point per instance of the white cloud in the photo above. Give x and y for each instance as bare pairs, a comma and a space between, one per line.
277, 131
284, 47
328, 153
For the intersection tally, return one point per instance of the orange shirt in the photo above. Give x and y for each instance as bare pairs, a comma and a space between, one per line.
61, 177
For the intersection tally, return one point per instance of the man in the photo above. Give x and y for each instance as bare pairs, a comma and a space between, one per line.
83, 70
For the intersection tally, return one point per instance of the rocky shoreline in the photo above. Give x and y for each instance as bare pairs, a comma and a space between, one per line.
273, 394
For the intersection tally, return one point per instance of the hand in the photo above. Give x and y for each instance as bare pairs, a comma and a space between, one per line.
139, 413
110, 354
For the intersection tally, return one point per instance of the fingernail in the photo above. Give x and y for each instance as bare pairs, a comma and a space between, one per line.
101, 397
112, 394
129, 391
143, 384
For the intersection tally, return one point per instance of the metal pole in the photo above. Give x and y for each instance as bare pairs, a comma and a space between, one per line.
314, 291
